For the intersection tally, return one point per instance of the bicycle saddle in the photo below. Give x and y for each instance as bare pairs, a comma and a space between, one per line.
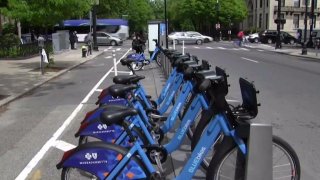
121, 90
117, 116
126, 62
127, 79
113, 107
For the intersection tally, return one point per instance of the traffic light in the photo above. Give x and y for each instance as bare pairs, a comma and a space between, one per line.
3, 3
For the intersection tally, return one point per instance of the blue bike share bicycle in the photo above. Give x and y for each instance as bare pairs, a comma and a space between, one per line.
111, 161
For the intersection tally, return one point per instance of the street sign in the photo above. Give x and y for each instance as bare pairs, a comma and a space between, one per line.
217, 26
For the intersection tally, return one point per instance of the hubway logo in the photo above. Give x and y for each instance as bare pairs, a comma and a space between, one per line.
90, 156
102, 126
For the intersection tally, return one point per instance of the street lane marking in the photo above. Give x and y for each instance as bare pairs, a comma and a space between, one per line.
125, 72
196, 47
35, 160
118, 49
99, 90
108, 57
249, 60
260, 50
63, 146
221, 48
245, 49
209, 47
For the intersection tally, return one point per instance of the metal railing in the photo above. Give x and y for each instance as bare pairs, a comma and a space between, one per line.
23, 50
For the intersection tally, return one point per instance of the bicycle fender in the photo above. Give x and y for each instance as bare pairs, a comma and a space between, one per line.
108, 99
100, 159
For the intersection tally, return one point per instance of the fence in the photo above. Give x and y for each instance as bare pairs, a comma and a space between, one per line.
23, 50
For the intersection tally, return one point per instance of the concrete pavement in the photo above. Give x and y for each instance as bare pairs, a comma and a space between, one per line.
21, 76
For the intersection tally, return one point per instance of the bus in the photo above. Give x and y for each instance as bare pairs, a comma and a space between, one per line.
114, 27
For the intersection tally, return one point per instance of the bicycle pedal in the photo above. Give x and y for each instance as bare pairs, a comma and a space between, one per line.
158, 162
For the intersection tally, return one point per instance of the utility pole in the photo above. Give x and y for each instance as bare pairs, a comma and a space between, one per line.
304, 48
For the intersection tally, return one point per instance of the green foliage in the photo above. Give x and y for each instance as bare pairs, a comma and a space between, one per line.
8, 28
45, 13
140, 13
9, 40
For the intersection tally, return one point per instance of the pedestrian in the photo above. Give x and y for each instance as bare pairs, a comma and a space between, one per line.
71, 39
75, 36
240, 36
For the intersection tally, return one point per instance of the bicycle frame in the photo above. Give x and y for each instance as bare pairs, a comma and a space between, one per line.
218, 124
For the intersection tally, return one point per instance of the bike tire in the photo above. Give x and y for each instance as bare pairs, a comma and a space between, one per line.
65, 174
136, 132
225, 153
158, 60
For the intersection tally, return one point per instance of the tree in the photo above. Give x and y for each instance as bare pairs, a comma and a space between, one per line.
45, 13
113, 9
202, 14
140, 13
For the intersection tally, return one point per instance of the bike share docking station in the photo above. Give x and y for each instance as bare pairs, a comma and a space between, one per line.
259, 152
259, 165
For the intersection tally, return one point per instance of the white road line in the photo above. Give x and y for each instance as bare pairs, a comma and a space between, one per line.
105, 50
63, 146
108, 57
118, 49
235, 49
110, 47
221, 48
34, 161
99, 90
260, 50
209, 47
196, 47
245, 49
125, 72
249, 60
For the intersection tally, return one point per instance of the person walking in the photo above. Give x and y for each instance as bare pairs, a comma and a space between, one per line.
71, 39
240, 36
75, 39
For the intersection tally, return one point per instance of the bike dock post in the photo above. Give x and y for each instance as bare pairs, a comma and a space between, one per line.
182, 47
114, 62
259, 152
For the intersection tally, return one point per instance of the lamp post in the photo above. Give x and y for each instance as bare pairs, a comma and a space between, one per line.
310, 42
304, 48
218, 24
166, 22
94, 24
278, 21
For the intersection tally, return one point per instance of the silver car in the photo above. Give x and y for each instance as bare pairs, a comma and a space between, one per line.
104, 38
179, 37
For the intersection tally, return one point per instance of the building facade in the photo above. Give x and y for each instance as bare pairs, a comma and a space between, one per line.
262, 13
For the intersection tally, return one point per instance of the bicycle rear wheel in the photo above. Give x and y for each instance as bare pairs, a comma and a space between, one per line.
137, 66
229, 163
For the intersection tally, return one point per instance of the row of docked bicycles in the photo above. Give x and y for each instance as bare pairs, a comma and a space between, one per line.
123, 137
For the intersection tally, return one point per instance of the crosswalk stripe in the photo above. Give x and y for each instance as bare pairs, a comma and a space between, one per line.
209, 47
108, 57
118, 49
221, 48
245, 49
196, 47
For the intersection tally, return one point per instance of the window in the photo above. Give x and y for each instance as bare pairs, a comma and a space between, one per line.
260, 20
304, 2
267, 3
296, 3
296, 20
261, 3
283, 3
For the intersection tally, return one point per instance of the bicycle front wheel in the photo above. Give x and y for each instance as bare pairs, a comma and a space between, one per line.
230, 163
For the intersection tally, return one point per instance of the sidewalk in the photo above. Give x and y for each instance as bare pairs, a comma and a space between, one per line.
21, 76
292, 51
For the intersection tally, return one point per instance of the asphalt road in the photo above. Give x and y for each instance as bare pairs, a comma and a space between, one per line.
289, 94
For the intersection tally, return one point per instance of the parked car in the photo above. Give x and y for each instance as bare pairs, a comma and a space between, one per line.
206, 38
270, 36
253, 38
179, 37
104, 38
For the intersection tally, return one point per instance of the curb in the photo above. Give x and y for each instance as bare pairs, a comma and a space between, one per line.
13, 98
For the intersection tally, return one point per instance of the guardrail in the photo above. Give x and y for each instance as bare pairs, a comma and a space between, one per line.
23, 50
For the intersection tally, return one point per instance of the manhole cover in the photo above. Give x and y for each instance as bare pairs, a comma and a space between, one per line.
3, 96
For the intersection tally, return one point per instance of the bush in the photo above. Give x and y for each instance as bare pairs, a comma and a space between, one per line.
8, 28
9, 40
